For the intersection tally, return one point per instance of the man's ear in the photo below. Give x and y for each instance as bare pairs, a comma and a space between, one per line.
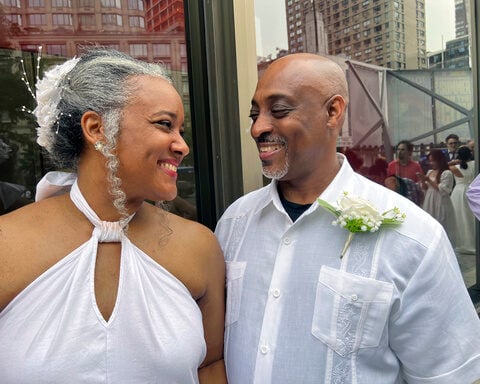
92, 127
336, 111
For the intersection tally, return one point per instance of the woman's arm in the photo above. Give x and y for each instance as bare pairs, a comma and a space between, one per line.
446, 182
212, 305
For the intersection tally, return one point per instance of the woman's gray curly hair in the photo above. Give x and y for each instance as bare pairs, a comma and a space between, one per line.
98, 82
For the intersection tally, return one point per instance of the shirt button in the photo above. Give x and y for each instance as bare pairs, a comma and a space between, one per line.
354, 297
276, 293
287, 240
264, 349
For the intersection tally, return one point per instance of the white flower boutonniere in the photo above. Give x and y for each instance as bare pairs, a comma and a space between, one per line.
359, 215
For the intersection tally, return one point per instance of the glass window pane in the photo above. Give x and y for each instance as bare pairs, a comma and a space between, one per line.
418, 73
154, 33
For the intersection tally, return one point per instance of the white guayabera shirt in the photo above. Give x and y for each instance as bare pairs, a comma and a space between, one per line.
395, 309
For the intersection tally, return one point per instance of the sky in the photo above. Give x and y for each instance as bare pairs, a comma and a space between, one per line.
272, 27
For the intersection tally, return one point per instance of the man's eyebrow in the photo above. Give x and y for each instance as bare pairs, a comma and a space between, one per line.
273, 98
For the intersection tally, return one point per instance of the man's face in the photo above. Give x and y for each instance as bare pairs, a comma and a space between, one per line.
452, 144
402, 152
289, 123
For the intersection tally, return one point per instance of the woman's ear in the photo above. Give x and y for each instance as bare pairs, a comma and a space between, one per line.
92, 127
336, 111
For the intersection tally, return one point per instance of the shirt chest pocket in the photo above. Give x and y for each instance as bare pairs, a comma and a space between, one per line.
235, 272
350, 311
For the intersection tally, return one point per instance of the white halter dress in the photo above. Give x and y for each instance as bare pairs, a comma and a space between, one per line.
53, 332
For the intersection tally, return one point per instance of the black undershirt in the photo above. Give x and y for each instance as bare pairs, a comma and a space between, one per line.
293, 210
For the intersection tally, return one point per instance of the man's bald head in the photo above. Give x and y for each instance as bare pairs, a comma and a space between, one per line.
306, 69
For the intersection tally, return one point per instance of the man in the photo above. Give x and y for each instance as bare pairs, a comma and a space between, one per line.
453, 142
404, 166
393, 308
402, 174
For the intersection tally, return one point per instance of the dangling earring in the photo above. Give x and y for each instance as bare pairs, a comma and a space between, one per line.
99, 146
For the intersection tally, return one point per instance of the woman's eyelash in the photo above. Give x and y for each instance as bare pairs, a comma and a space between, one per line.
165, 123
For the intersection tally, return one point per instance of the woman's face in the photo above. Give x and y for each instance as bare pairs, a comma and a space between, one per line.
150, 145
432, 162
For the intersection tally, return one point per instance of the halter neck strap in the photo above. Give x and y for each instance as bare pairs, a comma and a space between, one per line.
104, 231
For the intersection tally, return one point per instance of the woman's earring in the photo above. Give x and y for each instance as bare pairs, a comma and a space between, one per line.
98, 146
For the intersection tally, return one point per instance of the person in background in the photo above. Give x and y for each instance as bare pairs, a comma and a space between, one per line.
402, 174
378, 171
464, 173
96, 285
404, 166
453, 141
471, 145
438, 185
306, 301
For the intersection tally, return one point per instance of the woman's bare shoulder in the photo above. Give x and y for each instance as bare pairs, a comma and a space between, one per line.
32, 218
35, 237
184, 230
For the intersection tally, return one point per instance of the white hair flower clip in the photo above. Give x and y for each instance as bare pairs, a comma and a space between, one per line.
48, 96
359, 215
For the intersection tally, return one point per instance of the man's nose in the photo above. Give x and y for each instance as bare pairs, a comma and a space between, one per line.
262, 124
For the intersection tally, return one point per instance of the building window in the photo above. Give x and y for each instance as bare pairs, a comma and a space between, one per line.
61, 19
111, 4
161, 50
135, 4
37, 19
87, 20
57, 49
14, 19
138, 50
11, 3
87, 3
61, 3
183, 50
136, 21
36, 3
111, 19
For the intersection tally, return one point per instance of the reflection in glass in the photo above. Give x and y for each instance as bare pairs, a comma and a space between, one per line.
150, 30
407, 81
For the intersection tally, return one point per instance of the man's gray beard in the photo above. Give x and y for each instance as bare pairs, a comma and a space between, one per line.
278, 173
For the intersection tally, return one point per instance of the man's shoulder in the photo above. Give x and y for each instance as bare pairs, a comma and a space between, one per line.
414, 164
248, 202
417, 222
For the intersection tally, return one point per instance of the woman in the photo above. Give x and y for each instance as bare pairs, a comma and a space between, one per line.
438, 184
464, 174
96, 285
